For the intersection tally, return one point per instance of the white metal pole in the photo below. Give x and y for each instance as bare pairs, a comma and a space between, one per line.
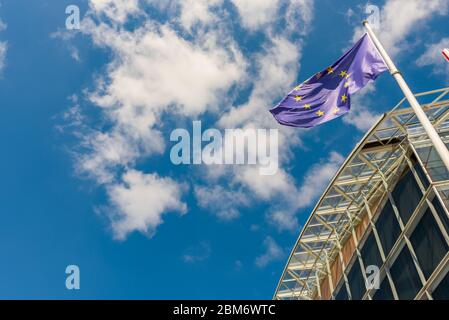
439, 145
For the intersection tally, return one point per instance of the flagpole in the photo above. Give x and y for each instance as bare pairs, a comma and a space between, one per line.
439, 145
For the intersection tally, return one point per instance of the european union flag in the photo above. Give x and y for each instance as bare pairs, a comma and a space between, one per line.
327, 95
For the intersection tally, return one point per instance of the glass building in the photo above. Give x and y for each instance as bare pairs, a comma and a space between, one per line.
381, 228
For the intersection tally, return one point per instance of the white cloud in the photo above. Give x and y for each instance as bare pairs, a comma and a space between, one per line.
115, 10
154, 71
265, 187
140, 201
265, 14
361, 116
3, 47
197, 253
256, 13
197, 11
273, 252
3, 50
399, 18
300, 10
284, 219
316, 179
68, 36
238, 265
221, 202
433, 57
2, 25
155, 68
286, 198
107, 152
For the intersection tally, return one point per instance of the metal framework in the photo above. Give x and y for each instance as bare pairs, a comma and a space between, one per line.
359, 190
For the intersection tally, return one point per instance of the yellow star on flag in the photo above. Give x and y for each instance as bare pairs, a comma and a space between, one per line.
330, 70
343, 74
320, 113
344, 98
307, 106
298, 87
298, 98
347, 84
336, 109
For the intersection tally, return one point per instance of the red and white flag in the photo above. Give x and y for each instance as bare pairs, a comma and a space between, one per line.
446, 54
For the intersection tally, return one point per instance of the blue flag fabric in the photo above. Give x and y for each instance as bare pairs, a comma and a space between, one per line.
327, 94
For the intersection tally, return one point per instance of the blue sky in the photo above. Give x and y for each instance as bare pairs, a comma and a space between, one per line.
86, 117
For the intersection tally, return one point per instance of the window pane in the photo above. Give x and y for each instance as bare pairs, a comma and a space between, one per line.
356, 282
433, 164
422, 175
406, 196
388, 228
384, 292
442, 291
441, 213
405, 276
342, 293
428, 243
370, 252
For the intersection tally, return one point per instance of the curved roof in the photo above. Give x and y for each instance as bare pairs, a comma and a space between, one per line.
355, 190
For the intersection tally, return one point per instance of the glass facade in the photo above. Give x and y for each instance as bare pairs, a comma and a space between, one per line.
381, 229
412, 240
